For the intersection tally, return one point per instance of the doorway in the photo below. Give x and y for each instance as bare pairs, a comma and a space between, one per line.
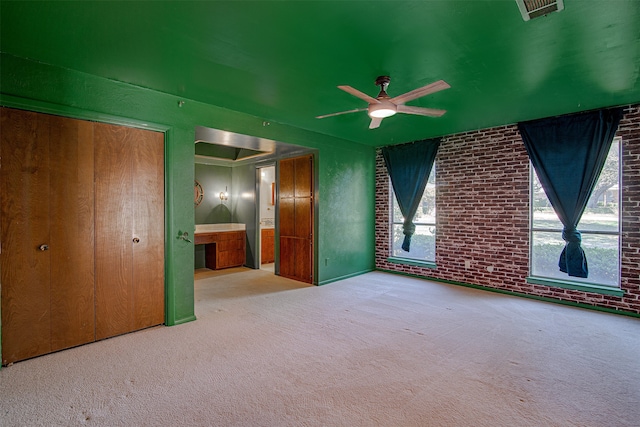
267, 216
246, 170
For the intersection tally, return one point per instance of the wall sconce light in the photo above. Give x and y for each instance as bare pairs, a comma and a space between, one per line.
224, 195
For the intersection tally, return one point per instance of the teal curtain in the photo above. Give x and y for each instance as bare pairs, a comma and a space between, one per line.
568, 153
409, 166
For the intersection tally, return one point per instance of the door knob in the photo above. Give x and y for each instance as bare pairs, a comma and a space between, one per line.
136, 240
184, 236
43, 247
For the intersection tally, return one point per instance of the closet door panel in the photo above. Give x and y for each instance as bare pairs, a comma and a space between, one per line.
287, 215
287, 257
148, 227
72, 236
303, 260
303, 215
25, 269
114, 224
286, 187
303, 176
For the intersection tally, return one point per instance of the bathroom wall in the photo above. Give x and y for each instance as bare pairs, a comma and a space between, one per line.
243, 202
212, 210
213, 180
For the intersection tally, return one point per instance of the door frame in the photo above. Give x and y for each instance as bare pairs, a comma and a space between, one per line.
315, 154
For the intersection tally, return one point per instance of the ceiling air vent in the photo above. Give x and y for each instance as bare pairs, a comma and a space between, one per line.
534, 8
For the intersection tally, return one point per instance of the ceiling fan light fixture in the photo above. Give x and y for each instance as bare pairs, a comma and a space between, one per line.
384, 106
382, 110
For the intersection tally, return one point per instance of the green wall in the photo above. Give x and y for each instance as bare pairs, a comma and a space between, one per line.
346, 171
213, 179
211, 210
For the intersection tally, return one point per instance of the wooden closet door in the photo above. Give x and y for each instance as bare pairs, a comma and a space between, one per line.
24, 181
114, 224
72, 233
148, 227
47, 199
129, 229
296, 218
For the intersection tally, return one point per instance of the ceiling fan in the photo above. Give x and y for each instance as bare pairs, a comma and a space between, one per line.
384, 106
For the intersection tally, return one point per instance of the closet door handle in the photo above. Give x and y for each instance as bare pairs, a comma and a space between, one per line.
43, 247
136, 240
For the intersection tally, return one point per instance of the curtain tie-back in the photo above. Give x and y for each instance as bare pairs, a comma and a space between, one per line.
571, 235
572, 259
408, 228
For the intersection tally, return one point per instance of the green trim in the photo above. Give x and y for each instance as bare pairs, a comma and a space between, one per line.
346, 276
584, 287
407, 261
37, 106
517, 294
183, 320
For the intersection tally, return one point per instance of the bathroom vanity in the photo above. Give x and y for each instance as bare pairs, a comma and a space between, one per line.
225, 244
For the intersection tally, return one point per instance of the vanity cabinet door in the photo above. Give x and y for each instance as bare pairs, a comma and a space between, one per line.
267, 248
231, 249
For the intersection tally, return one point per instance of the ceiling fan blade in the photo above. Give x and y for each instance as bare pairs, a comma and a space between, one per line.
420, 92
341, 112
431, 112
358, 94
375, 123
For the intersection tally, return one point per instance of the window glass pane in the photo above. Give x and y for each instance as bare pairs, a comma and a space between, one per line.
423, 243
543, 214
602, 257
602, 213
546, 250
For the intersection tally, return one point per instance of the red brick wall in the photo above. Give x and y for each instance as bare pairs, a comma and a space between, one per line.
482, 199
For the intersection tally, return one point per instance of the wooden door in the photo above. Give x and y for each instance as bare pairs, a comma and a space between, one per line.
129, 229
71, 233
296, 218
148, 228
47, 233
26, 315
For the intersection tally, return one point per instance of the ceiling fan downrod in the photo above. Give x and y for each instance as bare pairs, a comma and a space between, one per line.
383, 82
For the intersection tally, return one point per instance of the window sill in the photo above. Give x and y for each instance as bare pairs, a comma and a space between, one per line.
585, 287
414, 262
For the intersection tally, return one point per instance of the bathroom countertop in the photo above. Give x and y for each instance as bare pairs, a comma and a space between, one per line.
210, 228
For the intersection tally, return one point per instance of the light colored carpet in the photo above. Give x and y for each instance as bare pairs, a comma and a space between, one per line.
374, 350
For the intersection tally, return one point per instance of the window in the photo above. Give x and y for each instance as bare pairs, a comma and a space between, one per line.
423, 242
599, 225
